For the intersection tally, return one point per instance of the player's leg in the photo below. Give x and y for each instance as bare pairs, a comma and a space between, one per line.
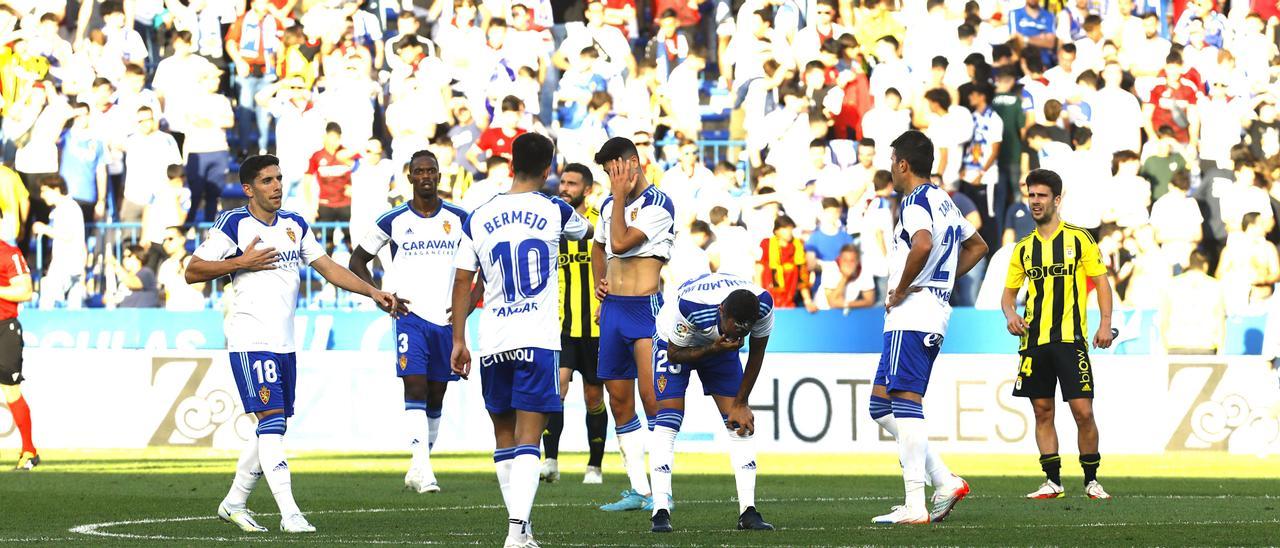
277, 374
232, 509
415, 427
569, 355
617, 368
436, 347
642, 352
721, 377
10, 378
1075, 373
496, 382
669, 385
1038, 381
597, 428
535, 393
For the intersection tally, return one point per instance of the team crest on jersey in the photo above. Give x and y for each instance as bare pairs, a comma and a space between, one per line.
634, 213
662, 383
264, 394
682, 329
447, 227
292, 237
404, 362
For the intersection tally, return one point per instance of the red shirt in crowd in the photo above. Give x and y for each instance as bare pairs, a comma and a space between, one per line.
334, 176
12, 265
686, 11
1171, 106
496, 142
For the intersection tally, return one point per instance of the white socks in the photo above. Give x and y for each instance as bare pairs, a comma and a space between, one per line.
742, 456
276, 468
433, 427
415, 425
631, 443
524, 486
248, 470
662, 457
936, 472
913, 445
502, 462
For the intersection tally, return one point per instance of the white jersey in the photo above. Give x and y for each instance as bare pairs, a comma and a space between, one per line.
927, 208
262, 302
693, 319
652, 213
514, 240
422, 254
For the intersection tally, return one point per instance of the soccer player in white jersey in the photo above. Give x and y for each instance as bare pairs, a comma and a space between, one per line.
933, 246
424, 234
514, 242
703, 331
633, 240
264, 248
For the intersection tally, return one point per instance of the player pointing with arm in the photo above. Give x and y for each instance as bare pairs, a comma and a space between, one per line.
424, 234
1056, 259
264, 248
513, 240
933, 245
704, 331
633, 240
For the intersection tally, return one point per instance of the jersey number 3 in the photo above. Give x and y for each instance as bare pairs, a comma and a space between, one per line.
524, 275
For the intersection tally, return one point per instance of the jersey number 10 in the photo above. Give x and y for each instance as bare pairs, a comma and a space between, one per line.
519, 277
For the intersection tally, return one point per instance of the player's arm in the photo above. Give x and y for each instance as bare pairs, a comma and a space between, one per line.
599, 281
18, 290
460, 360
740, 416
1091, 265
972, 250
1013, 281
692, 354
359, 264
367, 250
335, 274
622, 238
921, 245
204, 268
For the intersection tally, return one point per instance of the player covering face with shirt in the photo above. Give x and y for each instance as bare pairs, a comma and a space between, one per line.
264, 249
933, 246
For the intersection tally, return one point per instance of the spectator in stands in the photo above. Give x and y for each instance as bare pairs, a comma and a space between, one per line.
884, 123
1130, 194
173, 78
848, 285
1193, 314
681, 92
783, 269
1118, 120
178, 294
135, 282
950, 127
252, 44
454, 179
1163, 161
206, 119
826, 242
329, 176
170, 201
1177, 220
685, 179
497, 139
371, 184
63, 281
668, 48
689, 257
83, 165
1017, 219
616, 60
580, 80
148, 154
1263, 133
498, 181
1249, 266
979, 170
822, 26
730, 246
1173, 104
1084, 184
122, 41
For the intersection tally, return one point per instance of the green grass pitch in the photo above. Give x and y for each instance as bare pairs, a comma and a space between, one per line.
168, 498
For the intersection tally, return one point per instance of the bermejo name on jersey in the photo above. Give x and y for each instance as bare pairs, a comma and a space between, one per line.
514, 239
693, 318
262, 302
652, 213
927, 208
422, 252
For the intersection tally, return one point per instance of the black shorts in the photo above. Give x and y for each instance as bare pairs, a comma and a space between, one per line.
10, 352
580, 354
1041, 368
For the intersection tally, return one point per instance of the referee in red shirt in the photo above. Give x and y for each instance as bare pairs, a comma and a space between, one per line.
15, 287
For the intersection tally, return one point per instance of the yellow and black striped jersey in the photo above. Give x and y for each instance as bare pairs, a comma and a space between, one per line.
1058, 268
577, 296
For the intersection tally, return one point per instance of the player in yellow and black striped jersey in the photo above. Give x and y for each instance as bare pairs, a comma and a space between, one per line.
579, 333
1055, 261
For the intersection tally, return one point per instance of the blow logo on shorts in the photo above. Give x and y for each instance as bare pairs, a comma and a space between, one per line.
517, 355
1082, 364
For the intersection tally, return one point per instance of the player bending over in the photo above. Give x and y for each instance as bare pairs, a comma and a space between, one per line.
15, 288
633, 240
579, 335
703, 331
424, 234
1057, 258
514, 241
933, 246
263, 248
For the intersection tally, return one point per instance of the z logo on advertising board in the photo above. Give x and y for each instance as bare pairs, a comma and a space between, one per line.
195, 416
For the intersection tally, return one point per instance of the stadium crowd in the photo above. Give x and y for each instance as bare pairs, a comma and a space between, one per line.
766, 121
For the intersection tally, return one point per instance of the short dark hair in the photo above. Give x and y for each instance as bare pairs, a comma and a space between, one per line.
54, 181
1198, 261
917, 150
939, 61
511, 103
1047, 178
718, 214
830, 202
531, 155
699, 227
867, 142
333, 127
175, 171
1081, 136
254, 165
617, 148
1037, 132
1181, 180
1249, 219
783, 221
939, 96
1120, 157
424, 153
112, 6
587, 178
881, 179
742, 305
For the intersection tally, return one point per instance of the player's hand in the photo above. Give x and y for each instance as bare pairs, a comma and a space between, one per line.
726, 344
1017, 326
621, 177
741, 420
258, 258
460, 360
602, 290
895, 297
811, 306
390, 303
1104, 336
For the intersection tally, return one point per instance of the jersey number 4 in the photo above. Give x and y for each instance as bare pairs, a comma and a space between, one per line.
525, 274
